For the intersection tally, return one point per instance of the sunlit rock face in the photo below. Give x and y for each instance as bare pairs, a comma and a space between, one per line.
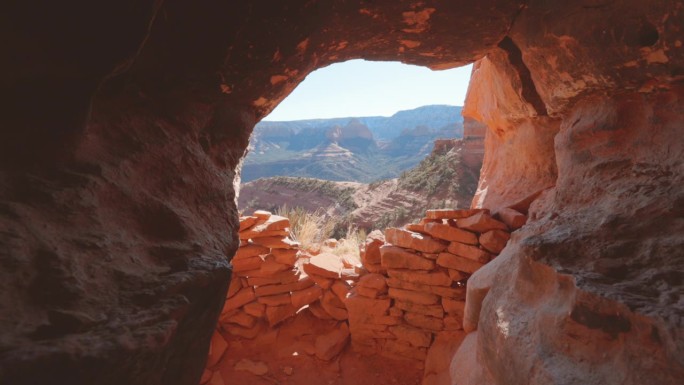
124, 125
589, 291
519, 156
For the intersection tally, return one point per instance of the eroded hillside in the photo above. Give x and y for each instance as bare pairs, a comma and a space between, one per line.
442, 179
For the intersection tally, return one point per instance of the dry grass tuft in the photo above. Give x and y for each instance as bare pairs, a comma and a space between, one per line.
308, 228
311, 229
349, 246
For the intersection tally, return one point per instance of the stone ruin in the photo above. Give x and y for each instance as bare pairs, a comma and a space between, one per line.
408, 291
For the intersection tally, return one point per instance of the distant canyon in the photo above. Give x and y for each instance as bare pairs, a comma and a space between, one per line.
356, 149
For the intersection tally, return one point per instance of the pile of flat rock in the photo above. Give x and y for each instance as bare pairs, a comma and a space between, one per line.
408, 291
416, 285
272, 280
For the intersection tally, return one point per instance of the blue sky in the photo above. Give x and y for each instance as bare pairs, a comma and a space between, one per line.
365, 88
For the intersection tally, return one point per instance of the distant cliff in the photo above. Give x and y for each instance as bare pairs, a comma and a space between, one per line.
359, 149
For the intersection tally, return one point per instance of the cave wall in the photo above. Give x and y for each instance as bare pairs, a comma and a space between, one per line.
590, 290
122, 132
125, 122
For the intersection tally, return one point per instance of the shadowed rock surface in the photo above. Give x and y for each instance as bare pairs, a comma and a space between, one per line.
124, 124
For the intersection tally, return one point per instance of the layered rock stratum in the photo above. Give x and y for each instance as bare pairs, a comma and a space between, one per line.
124, 124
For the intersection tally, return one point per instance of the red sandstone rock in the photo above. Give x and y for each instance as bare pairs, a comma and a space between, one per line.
248, 333
283, 277
494, 241
452, 213
367, 291
450, 233
240, 318
326, 265
452, 292
416, 227
341, 289
333, 306
371, 251
276, 242
324, 283
257, 368
275, 299
404, 349
243, 297
253, 234
470, 252
329, 345
438, 360
512, 218
453, 322
217, 347
367, 333
423, 321
350, 274
465, 368
278, 314
234, 287
255, 309
480, 223
374, 268
262, 214
456, 275
374, 281
274, 222
394, 257
386, 320
455, 262
245, 264
317, 310
414, 241
435, 278
415, 337
250, 250
216, 379
518, 142
247, 222
306, 296
285, 256
453, 306
413, 296
362, 310
286, 288
271, 267
206, 376
370, 326
410, 306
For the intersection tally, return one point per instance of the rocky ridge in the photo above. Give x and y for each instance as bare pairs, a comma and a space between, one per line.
446, 177
349, 149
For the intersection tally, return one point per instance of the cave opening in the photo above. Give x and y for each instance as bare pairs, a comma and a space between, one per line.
390, 129
309, 277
